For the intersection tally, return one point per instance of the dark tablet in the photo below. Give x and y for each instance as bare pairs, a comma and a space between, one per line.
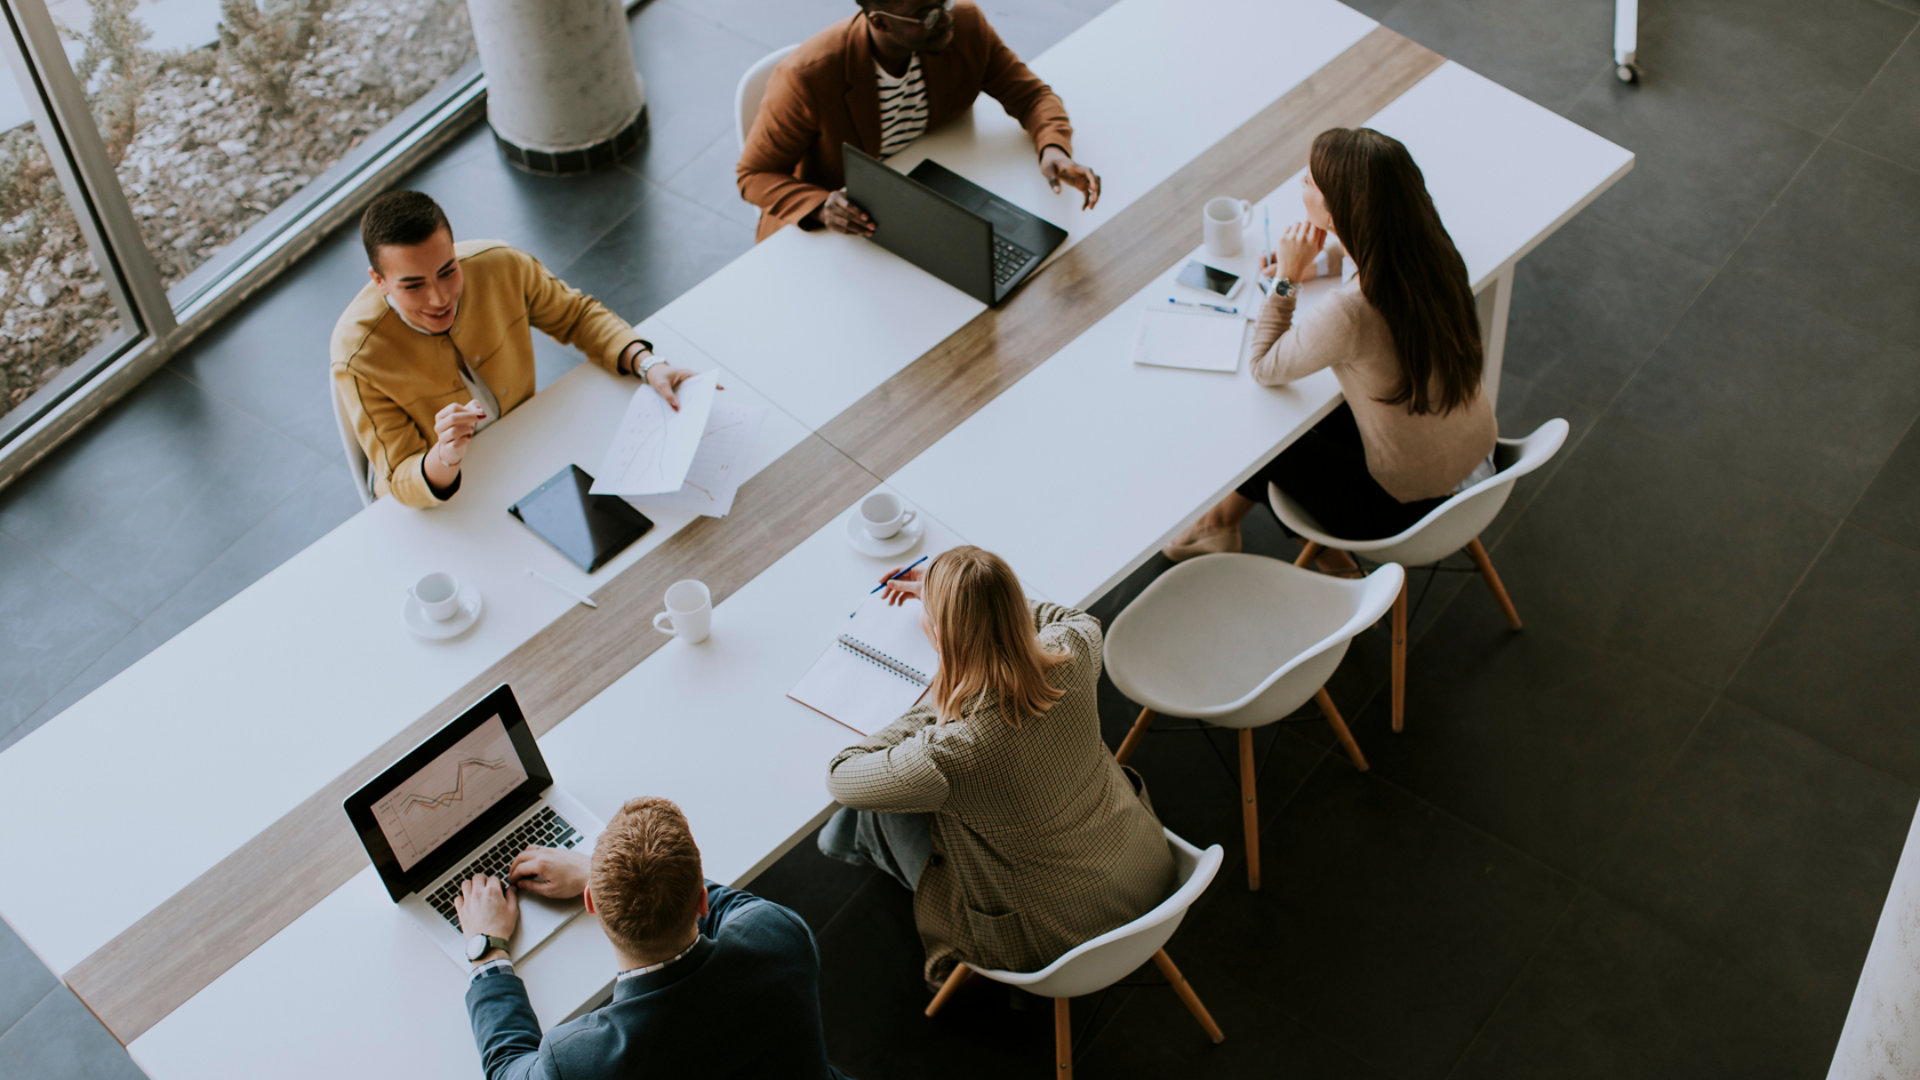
589, 529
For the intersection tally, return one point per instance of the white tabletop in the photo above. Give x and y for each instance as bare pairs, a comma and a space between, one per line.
229, 725
354, 988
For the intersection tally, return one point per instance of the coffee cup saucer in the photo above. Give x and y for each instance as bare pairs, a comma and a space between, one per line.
898, 544
462, 619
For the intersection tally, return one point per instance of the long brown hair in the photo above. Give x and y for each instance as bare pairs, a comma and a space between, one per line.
1409, 269
984, 633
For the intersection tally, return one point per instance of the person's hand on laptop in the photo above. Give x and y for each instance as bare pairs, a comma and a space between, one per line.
555, 873
487, 905
839, 214
1058, 168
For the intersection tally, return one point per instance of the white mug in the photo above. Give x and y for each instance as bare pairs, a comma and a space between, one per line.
438, 595
1221, 222
883, 516
689, 612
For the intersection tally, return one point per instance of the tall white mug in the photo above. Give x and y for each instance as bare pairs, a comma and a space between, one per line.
689, 613
1221, 222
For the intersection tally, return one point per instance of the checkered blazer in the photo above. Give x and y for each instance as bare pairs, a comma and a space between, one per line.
1039, 840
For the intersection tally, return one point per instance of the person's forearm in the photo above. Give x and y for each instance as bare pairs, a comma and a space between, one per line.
440, 474
1276, 318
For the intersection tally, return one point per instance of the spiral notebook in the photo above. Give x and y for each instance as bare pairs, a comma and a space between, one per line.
877, 668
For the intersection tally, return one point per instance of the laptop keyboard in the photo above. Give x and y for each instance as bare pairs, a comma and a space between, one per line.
544, 829
1008, 258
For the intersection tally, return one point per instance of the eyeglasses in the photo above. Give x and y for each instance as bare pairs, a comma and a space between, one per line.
930, 18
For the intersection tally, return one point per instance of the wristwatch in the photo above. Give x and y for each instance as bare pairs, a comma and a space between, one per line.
1283, 287
479, 944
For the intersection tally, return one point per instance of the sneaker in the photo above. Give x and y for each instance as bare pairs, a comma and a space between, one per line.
1200, 539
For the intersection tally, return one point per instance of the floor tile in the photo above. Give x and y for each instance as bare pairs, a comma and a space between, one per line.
665, 247
54, 627
1768, 849
151, 492
1524, 405
1590, 304
60, 1040
1703, 171
24, 980
1838, 663
1528, 56
709, 180
691, 66
1854, 216
772, 25
1640, 548
1886, 118
1891, 505
1371, 903
813, 885
1614, 994
1545, 743
1753, 382
1774, 57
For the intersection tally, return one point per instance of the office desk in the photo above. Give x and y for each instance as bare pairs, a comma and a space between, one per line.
166, 966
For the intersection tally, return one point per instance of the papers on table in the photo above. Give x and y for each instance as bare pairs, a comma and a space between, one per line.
719, 464
655, 445
1182, 338
877, 668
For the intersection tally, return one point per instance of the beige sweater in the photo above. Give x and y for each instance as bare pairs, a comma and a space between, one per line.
1412, 457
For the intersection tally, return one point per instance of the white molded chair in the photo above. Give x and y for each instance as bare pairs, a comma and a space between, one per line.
1240, 641
753, 87
356, 458
1449, 527
1098, 964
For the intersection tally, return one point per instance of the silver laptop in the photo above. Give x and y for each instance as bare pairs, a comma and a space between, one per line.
467, 801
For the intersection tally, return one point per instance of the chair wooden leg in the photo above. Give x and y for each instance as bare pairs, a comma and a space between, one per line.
960, 974
1187, 997
1308, 550
1400, 657
1132, 742
1063, 1036
1249, 809
1339, 727
1485, 562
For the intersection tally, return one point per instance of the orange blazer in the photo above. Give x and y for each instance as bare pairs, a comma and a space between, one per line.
825, 94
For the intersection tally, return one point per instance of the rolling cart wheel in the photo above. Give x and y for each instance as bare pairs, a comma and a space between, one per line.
1626, 73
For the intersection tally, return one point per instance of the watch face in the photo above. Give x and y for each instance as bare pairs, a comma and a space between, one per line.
476, 946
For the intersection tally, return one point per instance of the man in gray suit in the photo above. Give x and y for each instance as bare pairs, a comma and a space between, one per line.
754, 1010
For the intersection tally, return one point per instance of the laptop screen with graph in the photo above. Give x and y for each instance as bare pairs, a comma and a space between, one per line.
449, 794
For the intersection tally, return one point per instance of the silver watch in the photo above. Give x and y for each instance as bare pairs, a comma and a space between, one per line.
478, 944
1283, 287
647, 364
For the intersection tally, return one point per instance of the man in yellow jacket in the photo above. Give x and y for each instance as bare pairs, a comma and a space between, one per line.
438, 344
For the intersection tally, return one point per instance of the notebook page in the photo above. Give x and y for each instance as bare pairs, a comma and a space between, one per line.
856, 691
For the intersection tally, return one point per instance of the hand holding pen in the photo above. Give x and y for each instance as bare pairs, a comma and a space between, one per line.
902, 583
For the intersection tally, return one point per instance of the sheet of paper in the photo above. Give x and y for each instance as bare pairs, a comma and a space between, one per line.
654, 446
1202, 341
719, 465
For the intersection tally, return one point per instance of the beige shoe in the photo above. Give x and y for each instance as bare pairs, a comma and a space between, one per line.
1203, 539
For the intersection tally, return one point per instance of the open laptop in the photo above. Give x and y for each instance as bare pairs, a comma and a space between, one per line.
466, 801
950, 226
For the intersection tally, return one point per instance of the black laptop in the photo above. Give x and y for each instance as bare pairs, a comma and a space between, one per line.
949, 226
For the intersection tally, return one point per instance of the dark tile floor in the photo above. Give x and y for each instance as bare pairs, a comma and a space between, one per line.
1647, 837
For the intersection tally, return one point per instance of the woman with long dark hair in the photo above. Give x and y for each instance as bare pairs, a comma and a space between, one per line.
1403, 339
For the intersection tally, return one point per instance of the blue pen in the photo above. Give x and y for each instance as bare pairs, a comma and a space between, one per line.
890, 577
1191, 304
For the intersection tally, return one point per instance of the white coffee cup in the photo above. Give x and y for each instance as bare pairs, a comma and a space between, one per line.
438, 595
689, 612
883, 516
1221, 222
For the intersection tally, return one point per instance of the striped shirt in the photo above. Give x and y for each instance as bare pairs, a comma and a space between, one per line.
903, 107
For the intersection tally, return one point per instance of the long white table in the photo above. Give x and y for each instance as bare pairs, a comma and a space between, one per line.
709, 725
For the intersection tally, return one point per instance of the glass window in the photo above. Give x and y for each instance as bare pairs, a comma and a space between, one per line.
215, 112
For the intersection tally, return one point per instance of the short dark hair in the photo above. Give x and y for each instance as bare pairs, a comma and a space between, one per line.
400, 218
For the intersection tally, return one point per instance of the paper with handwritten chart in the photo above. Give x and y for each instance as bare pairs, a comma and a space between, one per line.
654, 445
720, 465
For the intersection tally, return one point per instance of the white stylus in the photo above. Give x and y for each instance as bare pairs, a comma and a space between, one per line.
562, 588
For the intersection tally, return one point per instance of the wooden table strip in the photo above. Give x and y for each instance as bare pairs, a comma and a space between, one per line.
157, 964
930, 397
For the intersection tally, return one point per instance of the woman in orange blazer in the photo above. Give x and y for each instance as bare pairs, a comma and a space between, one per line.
827, 92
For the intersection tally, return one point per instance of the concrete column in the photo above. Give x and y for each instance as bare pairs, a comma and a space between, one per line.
1881, 1040
562, 93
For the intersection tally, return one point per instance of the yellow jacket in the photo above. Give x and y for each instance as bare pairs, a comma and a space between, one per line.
393, 380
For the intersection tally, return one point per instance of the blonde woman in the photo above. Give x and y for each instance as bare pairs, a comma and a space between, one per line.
995, 799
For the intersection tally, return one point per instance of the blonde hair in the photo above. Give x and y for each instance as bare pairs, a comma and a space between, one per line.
984, 633
646, 878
